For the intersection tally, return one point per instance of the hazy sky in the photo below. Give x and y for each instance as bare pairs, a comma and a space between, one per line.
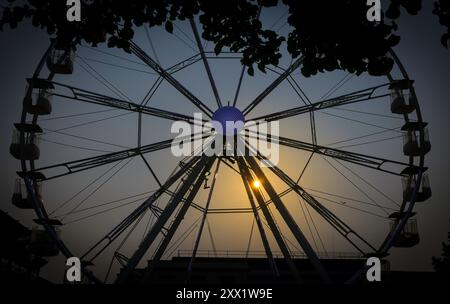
426, 61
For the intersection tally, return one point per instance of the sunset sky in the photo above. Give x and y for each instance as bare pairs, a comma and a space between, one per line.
420, 51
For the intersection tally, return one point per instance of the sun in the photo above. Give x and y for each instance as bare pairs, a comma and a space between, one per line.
256, 183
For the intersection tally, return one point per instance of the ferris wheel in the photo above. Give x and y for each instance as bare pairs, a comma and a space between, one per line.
154, 223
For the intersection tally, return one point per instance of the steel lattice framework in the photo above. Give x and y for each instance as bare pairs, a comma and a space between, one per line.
192, 172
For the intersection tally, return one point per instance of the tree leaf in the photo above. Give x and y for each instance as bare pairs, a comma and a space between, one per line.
169, 26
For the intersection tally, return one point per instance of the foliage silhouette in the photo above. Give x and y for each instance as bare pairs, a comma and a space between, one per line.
442, 10
330, 34
442, 264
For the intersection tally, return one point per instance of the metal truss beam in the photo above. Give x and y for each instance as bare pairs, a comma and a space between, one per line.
205, 63
101, 160
135, 49
197, 176
133, 216
262, 232
202, 223
273, 86
287, 217
340, 226
184, 64
270, 221
194, 188
368, 161
301, 94
78, 94
354, 97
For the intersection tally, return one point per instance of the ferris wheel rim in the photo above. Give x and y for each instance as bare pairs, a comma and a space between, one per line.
42, 213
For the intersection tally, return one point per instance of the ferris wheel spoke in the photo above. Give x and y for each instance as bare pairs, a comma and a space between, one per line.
293, 84
304, 98
273, 85
112, 235
248, 179
202, 223
135, 49
255, 209
152, 172
238, 89
183, 64
205, 62
193, 203
76, 166
373, 162
191, 185
350, 98
194, 184
171, 70
288, 219
339, 225
82, 95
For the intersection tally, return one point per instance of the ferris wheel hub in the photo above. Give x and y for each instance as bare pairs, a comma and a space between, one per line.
230, 119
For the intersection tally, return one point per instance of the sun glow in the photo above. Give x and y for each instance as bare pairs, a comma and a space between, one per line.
256, 183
